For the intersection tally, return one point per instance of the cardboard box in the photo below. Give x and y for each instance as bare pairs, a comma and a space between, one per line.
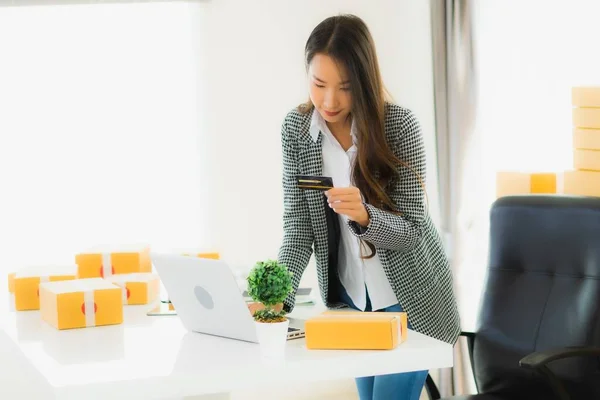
586, 139
580, 183
586, 118
355, 330
519, 183
586, 159
81, 303
142, 288
102, 262
193, 253
585, 96
24, 284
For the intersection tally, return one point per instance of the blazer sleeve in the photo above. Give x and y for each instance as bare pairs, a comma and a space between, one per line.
298, 238
401, 232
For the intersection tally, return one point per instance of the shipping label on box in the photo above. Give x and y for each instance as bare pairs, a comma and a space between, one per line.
105, 261
24, 284
81, 303
142, 288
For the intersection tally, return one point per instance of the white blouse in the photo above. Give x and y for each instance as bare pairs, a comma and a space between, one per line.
357, 275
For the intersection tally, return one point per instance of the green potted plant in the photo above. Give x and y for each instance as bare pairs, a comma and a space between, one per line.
269, 283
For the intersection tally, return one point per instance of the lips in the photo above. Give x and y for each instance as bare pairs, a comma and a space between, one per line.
331, 114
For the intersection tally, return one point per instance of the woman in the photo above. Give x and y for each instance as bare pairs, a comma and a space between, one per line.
375, 245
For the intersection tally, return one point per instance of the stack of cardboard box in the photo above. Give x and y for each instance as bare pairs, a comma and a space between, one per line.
584, 178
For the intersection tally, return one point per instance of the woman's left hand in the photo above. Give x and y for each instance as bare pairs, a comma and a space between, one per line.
348, 201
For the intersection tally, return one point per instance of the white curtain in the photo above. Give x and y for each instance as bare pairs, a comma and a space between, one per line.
458, 141
101, 141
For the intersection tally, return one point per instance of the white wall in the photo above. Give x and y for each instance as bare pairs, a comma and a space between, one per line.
255, 74
99, 130
103, 87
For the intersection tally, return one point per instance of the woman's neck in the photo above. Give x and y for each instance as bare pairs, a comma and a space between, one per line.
341, 131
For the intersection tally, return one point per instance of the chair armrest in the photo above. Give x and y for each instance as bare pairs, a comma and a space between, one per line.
541, 358
538, 361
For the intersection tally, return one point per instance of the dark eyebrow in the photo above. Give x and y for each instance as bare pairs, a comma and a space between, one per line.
322, 81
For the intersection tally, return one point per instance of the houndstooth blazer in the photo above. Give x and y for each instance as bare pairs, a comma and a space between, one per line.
409, 246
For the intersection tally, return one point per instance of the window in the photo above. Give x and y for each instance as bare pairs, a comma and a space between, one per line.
528, 57
100, 135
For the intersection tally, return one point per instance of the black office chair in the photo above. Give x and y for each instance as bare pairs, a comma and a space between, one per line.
538, 334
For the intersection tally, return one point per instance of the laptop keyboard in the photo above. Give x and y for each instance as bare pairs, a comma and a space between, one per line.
295, 333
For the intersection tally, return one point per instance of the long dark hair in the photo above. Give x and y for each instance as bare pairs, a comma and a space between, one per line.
348, 41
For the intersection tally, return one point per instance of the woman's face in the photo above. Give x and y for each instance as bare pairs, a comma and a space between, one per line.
329, 88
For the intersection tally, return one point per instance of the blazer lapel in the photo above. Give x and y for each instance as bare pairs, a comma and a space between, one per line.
325, 222
311, 152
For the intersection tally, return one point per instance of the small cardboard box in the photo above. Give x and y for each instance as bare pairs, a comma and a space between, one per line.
142, 288
580, 183
202, 254
355, 330
586, 139
586, 159
585, 96
586, 118
24, 284
81, 303
518, 183
105, 261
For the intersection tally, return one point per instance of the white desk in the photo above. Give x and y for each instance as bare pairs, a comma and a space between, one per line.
156, 358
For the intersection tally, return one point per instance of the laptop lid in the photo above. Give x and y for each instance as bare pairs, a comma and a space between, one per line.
206, 296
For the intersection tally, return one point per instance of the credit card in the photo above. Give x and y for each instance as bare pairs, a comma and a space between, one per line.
314, 182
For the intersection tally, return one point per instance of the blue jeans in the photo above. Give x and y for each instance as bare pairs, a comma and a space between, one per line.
403, 386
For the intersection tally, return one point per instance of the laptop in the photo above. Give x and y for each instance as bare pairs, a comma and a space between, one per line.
208, 299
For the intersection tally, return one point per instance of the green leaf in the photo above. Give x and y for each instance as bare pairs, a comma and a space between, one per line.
269, 282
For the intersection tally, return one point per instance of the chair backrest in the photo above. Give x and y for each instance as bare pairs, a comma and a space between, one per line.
542, 292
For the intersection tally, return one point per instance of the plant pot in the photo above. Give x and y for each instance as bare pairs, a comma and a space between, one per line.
272, 338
